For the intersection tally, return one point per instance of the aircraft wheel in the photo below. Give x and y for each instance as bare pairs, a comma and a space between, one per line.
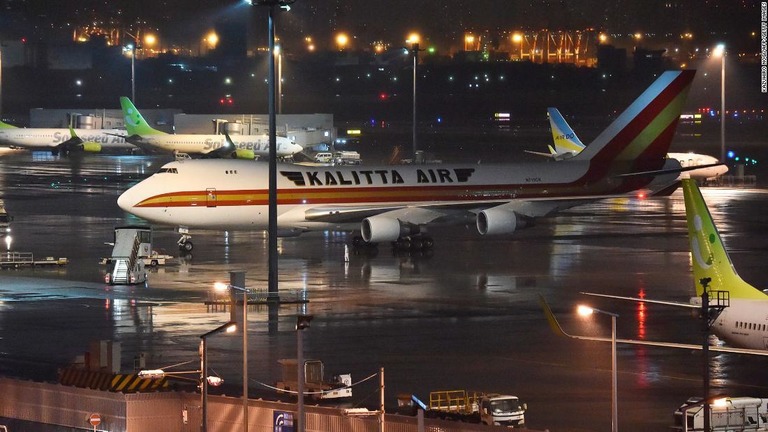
417, 243
402, 244
427, 242
153, 263
187, 246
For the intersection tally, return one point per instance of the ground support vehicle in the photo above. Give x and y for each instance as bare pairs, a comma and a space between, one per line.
5, 221
469, 406
315, 385
726, 415
347, 158
126, 265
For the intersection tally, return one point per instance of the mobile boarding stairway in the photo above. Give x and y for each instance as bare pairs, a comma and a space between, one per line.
126, 266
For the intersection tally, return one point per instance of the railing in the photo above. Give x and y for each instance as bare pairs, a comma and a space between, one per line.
11, 258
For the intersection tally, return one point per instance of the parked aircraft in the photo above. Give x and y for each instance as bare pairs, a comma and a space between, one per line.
152, 140
64, 140
738, 309
567, 144
397, 203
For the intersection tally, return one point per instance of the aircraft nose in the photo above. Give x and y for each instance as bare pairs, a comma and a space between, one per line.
126, 200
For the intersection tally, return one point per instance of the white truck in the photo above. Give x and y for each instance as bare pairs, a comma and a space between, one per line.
472, 406
726, 415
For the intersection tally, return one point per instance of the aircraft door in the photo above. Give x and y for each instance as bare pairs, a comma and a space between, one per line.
210, 199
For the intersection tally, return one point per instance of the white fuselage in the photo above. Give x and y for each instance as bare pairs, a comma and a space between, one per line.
233, 194
695, 159
201, 144
744, 324
48, 138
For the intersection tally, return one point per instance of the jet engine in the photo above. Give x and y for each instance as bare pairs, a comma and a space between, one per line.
91, 147
498, 220
380, 228
244, 154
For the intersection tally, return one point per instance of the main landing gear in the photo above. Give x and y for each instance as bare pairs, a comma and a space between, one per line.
185, 242
409, 243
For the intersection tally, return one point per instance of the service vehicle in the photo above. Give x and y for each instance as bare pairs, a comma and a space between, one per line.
5, 221
153, 260
347, 158
315, 384
324, 157
126, 265
727, 414
470, 406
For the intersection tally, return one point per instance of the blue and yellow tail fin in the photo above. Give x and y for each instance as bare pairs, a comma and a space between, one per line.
563, 136
710, 260
134, 121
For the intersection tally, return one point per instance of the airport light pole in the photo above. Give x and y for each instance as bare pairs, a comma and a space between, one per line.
302, 322
279, 55
413, 39
133, 47
586, 311
272, 226
235, 279
228, 327
720, 52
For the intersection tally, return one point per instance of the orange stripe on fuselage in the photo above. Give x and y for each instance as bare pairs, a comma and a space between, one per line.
356, 195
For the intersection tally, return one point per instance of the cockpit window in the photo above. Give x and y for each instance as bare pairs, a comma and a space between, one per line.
168, 170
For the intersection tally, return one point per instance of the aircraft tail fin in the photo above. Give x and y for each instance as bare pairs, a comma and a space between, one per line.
711, 264
134, 121
641, 136
563, 136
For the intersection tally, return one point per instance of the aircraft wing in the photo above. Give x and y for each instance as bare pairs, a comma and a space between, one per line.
410, 214
439, 213
148, 148
558, 330
549, 155
667, 171
637, 299
72, 143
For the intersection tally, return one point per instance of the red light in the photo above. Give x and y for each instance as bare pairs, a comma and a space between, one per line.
383, 96
23, 40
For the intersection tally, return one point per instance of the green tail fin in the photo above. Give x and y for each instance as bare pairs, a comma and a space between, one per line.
134, 121
709, 257
4, 125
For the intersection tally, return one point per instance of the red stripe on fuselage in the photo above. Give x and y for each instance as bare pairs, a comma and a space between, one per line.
379, 195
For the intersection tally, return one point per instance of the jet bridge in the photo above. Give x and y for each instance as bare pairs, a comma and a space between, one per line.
126, 266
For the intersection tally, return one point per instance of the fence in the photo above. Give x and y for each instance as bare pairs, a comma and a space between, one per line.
57, 405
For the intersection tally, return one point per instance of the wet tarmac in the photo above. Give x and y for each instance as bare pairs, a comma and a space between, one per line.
464, 316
